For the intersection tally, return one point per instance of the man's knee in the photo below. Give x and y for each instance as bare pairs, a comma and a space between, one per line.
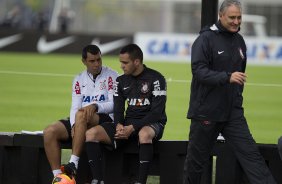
146, 135
49, 131
56, 131
92, 134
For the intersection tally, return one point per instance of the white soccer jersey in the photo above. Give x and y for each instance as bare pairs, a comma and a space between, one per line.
86, 91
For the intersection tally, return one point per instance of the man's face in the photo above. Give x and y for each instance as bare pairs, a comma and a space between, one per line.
231, 18
93, 63
127, 65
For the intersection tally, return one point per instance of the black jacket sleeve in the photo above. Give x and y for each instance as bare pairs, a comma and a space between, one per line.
119, 103
201, 62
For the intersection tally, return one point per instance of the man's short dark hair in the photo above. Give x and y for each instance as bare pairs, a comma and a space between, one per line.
93, 49
134, 52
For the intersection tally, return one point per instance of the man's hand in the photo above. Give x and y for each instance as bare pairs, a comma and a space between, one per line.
119, 127
238, 77
89, 112
123, 132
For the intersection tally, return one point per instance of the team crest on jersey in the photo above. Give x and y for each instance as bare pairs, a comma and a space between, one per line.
103, 85
145, 87
77, 88
241, 53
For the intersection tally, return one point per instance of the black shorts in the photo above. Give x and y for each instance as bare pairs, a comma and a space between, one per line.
67, 124
102, 118
110, 128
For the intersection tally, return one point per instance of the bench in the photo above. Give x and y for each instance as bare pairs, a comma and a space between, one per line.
23, 160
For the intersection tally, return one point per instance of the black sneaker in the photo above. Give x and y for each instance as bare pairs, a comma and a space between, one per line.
69, 169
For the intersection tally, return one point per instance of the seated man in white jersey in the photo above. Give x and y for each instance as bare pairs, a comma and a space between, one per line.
92, 104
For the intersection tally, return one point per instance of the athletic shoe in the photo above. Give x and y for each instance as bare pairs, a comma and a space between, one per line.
69, 169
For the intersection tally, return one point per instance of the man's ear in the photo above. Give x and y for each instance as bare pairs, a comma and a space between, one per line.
137, 61
220, 14
83, 61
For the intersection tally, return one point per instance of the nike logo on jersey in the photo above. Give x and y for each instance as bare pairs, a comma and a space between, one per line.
9, 40
108, 47
45, 47
220, 52
142, 162
125, 88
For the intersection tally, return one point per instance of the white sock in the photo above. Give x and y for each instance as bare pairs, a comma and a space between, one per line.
56, 172
75, 160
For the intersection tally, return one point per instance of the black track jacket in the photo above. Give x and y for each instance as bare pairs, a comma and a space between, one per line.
146, 98
216, 53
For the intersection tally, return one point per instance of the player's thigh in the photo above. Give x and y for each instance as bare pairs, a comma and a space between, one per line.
146, 134
100, 133
57, 130
93, 121
98, 119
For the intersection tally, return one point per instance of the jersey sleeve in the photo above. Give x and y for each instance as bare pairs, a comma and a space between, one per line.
76, 102
119, 102
108, 107
157, 104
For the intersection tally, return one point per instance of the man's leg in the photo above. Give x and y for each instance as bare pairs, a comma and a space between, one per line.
53, 135
237, 133
202, 137
146, 136
94, 137
80, 127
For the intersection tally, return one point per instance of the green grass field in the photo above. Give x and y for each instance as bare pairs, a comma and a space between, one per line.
36, 90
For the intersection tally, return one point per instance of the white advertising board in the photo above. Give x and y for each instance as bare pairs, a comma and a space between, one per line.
177, 48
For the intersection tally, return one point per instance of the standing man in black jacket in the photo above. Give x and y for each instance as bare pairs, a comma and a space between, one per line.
144, 91
218, 67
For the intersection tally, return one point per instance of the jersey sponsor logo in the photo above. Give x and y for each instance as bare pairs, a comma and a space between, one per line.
110, 83
159, 93
157, 89
77, 88
157, 86
116, 88
9, 40
45, 47
138, 101
88, 99
145, 87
